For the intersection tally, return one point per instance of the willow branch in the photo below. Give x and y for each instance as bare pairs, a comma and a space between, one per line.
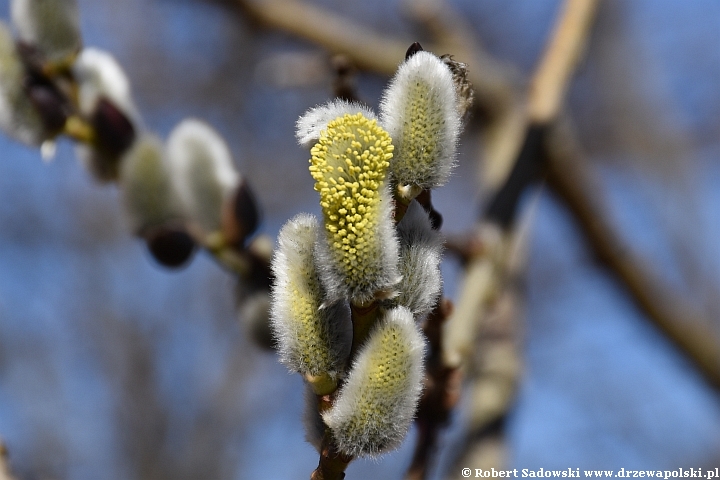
487, 292
374, 51
367, 49
549, 83
5, 472
571, 177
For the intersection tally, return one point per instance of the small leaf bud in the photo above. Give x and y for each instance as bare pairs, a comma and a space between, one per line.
240, 216
419, 111
375, 407
413, 49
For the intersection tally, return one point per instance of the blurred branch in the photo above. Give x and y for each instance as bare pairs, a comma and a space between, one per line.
373, 51
571, 177
5, 473
523, 137
549, 83
367, 49
487, 316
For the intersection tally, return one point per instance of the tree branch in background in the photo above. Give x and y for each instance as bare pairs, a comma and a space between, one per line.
5, 473
571, 177
487, 292
522, 141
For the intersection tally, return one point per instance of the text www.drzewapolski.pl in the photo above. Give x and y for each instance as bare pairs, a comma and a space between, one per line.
706, 474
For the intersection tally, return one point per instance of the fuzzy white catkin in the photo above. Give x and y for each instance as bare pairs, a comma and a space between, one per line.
375, 407
52, 26
420, 255
99, 75
418, 109
147, 189
18, 116
312, 340
203, 173
315, 120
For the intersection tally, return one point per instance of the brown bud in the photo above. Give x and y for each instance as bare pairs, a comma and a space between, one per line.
413, 49
115, 133
171, 246
50, 104
463, 87
240, 216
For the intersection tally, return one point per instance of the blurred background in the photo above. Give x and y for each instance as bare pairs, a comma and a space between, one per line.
112, 367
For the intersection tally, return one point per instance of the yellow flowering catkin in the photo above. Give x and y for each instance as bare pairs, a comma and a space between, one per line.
349, 164
376, 405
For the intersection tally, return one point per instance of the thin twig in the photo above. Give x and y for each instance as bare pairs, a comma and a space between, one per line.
571, 177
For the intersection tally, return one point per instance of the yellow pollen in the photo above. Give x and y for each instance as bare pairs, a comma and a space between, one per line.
349, 164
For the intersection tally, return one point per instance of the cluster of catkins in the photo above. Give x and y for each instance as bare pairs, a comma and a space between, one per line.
176, 195
363, 257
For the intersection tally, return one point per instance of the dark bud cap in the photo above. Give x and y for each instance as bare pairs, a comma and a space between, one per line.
436, 219
50, 104
30, 56
241, 215
414, 48
425, 199
171, 247
115, 132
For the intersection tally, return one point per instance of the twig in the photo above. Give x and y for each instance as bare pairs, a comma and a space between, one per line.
567, 42
5, 473
570, 176
373, 51
487, 273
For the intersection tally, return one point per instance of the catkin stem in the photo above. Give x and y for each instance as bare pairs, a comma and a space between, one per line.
404, 195
79, 130
363, 319
332, 463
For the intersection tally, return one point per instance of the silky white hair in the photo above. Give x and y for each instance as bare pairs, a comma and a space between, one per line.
420, 256
418, 109
99, 75
315, 120
203, 172
311, 339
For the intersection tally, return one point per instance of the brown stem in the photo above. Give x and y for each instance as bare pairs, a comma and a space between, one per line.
332, 464
363, 319
440, 394
569, 175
